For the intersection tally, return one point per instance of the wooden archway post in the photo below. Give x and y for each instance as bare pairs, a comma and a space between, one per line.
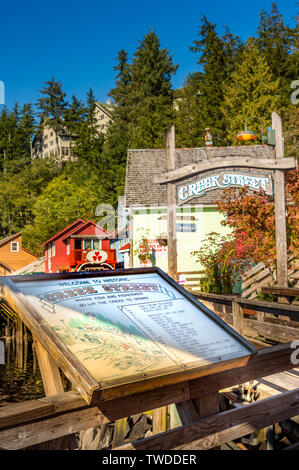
280, 208
171, 205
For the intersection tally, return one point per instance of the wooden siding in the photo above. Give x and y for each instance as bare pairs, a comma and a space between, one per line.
14, 260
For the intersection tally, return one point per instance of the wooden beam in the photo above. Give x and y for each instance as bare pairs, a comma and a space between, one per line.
208, 404
265, 362
279, 290
68, 420
214, 430
280, 207
187, 412
171, 206
218, 298
49, 371
269, 330
131, 241
119, 433
160, 419
270, 307
187, 171
237, 317
260, 305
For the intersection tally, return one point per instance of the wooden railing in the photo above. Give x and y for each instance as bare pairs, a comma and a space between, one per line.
260, 276
37, 421
271, 320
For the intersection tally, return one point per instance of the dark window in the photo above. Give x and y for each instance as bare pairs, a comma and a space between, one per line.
78, 244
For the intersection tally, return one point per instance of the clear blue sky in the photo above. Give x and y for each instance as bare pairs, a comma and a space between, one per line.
77, 41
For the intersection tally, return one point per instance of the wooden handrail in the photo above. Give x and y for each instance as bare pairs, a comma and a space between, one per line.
276, 308
229, 425
283, 291
29, 423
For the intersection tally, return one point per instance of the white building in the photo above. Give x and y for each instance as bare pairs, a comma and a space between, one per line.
61, 144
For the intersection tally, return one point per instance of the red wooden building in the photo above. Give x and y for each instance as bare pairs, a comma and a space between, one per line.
82, 246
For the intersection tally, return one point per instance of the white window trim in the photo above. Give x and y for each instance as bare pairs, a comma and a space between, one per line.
17, 247
85, 239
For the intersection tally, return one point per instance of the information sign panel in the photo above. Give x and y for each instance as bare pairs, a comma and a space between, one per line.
128, 326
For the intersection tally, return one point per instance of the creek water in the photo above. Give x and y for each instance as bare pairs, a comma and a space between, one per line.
20, 377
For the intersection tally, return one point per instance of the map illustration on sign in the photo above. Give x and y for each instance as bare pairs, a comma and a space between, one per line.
130, 326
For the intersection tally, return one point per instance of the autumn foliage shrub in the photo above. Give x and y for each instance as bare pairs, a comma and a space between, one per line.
221, 265
251, 217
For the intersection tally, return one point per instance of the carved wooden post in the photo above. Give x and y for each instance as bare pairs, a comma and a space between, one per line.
237, 317
171, 205
131, 238
280, 208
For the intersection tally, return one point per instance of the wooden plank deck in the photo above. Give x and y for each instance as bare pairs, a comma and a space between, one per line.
278, 383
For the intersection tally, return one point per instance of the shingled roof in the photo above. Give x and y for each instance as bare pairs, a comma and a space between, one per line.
143, 165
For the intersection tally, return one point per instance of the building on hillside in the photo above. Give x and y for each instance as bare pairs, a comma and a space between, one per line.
61, 144
51, 143
196, 196
12, 254
103, 116
82, 246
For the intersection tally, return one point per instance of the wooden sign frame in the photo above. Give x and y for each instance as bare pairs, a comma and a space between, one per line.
91, 390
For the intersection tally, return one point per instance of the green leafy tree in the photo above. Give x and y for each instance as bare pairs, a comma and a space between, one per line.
61, 203
18, 193
252, 91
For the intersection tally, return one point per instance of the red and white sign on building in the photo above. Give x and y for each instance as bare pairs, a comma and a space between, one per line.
80, 246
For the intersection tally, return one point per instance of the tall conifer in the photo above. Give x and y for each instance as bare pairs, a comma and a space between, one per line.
251, 91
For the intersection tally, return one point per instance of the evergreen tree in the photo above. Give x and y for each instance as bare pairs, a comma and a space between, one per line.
202, 95
143, 108
277, 41
27, 128
252, 91
61, 202
150, 103
117, 137
74, 116
89, 142
189, 120
52, 108
123, 79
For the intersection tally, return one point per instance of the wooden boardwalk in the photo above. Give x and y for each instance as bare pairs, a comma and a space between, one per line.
274, 384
